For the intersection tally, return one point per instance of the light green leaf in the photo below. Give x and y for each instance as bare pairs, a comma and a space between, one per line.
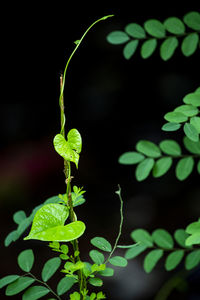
101, 243
193, 228
168, 47
174, 25
75, 296
108, 272
95, 281
25, 260
171, 126
50, 267
193, 239
118, 261
195, 121
69, 149
184, 167
155, 28
151, 259
163, 238
161, 166
192, 98
189, 44
48, 225
135, 251
130, 158
192, 259
191, 132
97, 257
193, 147
8, 279
173, 259
180, 236
144, 168
117, 37
148, 47
198, 167
35, 292
192, 20
65, 285
130, 49
175, 117
19, 285
74, 140
19, 216
135, 31
148, 148
170, 147
142, 236
188, 110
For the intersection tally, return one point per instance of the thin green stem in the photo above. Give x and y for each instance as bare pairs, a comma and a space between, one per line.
45, 284
120, 225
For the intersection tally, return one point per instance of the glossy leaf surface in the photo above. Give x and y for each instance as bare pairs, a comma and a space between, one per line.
101, 243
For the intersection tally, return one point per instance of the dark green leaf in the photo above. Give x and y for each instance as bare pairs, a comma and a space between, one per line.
11, 237
151, 259
155, 28
188, 110
130, 158
19, 216
148, 148
192, 20
142, 236
189, 44
130, 49
26, 260
168, 47
144, 168
117, 37
135, 31
170, 147
180, 236
175, 117
192, 259
163, 238
96, 281
198, 167
65, 285
18, 285
173, 259
193, 147
174, 25
171, 126
135, 251
97, 257
50, 267
35, 292
7, 279
161, 166
118, 261
195, 121
184, 167
191, 132
148, 47
101, 243
192, 98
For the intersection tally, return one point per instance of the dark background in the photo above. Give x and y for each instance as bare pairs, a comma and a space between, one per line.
113, 103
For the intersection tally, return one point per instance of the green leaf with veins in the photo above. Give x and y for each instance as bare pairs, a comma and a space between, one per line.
48, 225
69, 149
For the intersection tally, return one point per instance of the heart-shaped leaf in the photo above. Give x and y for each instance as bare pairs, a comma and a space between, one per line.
48, 225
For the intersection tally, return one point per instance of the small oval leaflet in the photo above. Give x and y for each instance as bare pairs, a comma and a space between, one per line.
148, 47
170, 126
151, 259
25, 260
101, 243
135, 31
97, 257
192, 20
175, 117
135, 251
142, 236
144, 168
184, 167
65, 284
191, 132
131, 158
8, 279
189, 44
174, 259
35, 292
19, 285
118, 261
180, 236
192, 259
130, 49
161, 166
117, 37
168, 47
170, 147
163, 238
50, 267
155, 28
174, 25
148, 148
193, 147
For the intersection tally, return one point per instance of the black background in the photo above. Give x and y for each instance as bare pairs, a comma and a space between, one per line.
113, 103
